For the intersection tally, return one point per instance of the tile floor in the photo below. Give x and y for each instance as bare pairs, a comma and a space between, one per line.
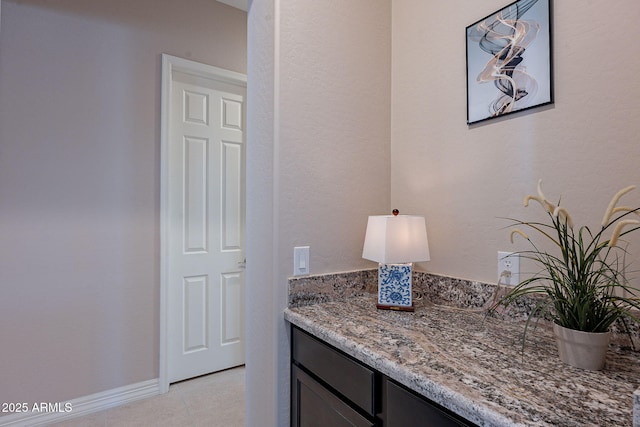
215, 400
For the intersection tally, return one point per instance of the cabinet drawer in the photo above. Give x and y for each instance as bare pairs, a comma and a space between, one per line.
345, 375
403, 408
315, 406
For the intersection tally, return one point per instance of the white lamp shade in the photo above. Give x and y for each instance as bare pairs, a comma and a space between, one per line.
396, 239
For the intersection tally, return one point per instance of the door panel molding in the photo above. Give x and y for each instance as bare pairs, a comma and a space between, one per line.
196, 71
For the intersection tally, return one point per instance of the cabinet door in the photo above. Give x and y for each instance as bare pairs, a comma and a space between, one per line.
402, 408
312, 405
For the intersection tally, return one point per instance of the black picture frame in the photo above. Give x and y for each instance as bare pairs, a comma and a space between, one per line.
509, 60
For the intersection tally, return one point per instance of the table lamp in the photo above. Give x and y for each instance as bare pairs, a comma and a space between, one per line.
395, 242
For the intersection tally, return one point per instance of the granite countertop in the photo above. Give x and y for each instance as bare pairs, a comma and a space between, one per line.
473, 364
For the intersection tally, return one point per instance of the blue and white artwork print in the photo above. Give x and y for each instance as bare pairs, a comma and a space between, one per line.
394, 284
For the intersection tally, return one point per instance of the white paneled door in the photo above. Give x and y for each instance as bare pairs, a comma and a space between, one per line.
206, 217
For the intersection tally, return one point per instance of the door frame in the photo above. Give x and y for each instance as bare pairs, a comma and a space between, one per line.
169, 65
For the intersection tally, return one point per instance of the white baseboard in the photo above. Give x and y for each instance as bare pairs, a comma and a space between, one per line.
83, 405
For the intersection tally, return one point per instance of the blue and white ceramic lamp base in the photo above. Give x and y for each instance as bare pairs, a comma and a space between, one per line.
394, 286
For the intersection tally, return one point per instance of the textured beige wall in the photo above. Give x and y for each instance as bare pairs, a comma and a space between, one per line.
461, 178
334, 116
317, 170
465, 178
80, 183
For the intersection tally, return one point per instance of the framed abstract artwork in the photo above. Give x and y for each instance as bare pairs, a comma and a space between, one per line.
509, 61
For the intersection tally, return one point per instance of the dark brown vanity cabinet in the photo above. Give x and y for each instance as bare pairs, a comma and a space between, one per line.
329, 388
332, 389
314, 405
404, 408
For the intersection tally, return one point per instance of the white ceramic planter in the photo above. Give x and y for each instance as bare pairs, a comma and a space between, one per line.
586, 350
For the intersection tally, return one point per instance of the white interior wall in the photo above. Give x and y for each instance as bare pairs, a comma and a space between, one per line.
80, 184
262, 373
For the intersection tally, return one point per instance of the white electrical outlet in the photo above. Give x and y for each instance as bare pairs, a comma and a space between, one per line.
508, 268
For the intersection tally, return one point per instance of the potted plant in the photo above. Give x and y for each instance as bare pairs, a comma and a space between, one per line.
582, 277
